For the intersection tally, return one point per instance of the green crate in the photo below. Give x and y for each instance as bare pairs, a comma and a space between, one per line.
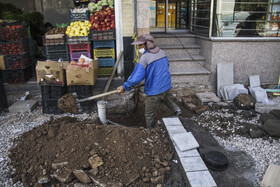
106, 71
104, 53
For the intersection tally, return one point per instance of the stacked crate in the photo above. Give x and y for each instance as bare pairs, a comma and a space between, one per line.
104, 50
16, 50
50, 96
78, 45
56, 47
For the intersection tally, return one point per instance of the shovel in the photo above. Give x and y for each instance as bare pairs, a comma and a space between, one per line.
70, 103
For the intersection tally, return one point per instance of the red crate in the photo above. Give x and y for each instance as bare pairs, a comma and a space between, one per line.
17, 61
13, 31
79, 47
76, 55
15, 47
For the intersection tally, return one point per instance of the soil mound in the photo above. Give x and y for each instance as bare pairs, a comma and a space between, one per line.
67, 151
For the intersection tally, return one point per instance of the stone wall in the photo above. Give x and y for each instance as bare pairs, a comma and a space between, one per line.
255, 57
128, 17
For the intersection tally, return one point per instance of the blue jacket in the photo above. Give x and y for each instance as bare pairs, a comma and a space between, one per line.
155, 69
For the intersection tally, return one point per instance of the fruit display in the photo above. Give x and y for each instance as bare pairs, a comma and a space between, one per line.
78, 28
82, 62
13, 48
13, 32
103, 20
98, 5
56, 30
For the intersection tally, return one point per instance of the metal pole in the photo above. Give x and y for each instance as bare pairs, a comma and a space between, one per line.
211, 18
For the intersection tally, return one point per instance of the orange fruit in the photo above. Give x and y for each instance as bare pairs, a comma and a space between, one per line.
81, 60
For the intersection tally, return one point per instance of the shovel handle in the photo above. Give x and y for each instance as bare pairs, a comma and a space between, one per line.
98, 96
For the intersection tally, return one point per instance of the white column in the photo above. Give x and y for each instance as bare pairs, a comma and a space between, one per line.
119, 35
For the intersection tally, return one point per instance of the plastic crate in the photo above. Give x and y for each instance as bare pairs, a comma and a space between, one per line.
104, 44
56, 56
79, 47
54, 41
8, 33
53, 92
106, 62
15, 47
17, 61
76, 55
86, 107
56, 48
104, 53
81, 90
78, 16
19, 75
50, 106
102, 35
104, 71
78, 39
3, 99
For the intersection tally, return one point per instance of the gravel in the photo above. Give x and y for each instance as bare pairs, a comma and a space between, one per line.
264, 151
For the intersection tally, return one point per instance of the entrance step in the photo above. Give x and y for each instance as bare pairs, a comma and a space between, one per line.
176, 39
181, 50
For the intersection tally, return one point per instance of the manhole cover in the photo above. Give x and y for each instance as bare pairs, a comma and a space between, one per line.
216, 160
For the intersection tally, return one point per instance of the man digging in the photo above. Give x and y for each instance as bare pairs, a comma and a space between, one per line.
153, 66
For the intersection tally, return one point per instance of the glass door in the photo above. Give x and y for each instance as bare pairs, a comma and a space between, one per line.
169, 15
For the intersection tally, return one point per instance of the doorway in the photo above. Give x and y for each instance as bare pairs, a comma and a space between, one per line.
169, 16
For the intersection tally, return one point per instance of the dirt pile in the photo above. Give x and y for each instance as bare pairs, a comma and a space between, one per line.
67, 151
67, 103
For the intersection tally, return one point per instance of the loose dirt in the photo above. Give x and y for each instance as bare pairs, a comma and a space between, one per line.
130, 156
67, 103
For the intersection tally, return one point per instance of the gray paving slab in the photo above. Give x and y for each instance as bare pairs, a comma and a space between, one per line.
201, 179
189, 153
207, 97
172, 121
224, 75
22, 106
185, 141
266, 108
175, 130
254, 81
193, 164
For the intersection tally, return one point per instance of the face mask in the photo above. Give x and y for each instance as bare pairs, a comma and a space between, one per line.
142, 50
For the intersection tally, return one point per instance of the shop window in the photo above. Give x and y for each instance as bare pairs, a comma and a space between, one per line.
200, 17
247, 18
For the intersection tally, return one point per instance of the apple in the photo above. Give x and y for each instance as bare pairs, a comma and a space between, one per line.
108, 28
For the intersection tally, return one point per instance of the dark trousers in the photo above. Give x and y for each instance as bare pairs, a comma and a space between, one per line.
152, 104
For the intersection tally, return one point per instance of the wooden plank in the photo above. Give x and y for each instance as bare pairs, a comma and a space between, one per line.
271, 177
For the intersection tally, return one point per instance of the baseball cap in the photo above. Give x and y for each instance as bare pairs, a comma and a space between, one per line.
143, 39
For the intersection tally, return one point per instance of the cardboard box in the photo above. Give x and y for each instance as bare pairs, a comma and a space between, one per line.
2, 62
77, 75
50, 73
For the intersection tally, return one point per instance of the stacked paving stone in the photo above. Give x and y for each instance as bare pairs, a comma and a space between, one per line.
185, 146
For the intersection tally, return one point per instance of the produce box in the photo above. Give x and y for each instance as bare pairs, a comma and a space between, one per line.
76, 55
77, 75
15, 47
17, 61
54, 39
12, 31
19, 75
79, 47
2, 62
50, 73
78, 15
102, 35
